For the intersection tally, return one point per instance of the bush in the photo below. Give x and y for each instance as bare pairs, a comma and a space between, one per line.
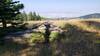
36, 37
54, 36
39, 37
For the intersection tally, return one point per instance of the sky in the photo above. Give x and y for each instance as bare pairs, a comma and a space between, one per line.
61, 8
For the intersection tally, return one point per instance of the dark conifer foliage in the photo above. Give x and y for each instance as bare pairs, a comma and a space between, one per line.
8, 10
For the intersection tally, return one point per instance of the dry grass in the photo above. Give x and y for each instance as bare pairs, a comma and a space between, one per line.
59, 48
77, 22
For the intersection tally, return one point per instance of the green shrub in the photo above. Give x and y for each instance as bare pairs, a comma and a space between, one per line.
54, 36
36, 37
97, 41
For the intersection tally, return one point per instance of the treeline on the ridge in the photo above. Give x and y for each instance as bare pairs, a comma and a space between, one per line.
31, 16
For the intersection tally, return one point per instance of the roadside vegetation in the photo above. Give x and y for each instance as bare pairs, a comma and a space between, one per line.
78, 38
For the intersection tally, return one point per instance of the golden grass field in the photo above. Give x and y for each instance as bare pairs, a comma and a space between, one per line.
82, 23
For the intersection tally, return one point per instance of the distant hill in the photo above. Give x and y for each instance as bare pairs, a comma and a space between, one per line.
95, 15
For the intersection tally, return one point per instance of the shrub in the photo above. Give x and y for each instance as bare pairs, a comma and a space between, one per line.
54, 36
36, 37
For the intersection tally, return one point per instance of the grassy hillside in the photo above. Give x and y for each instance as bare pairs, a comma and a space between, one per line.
80, 37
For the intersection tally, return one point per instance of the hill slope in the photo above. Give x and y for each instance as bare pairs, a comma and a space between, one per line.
95, 15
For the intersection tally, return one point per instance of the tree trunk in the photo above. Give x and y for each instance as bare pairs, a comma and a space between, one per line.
4, 23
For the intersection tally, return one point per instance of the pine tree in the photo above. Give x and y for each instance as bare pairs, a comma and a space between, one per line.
25, 18
34, 16
19, 17
39, 17
30, 16
8, 10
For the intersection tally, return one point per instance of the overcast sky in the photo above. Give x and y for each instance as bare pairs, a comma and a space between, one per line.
62, 8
